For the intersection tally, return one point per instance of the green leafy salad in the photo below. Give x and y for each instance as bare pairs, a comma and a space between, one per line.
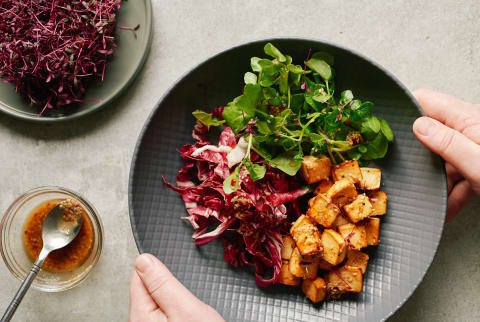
288, 111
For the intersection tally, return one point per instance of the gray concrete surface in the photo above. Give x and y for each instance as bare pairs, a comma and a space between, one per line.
424, 43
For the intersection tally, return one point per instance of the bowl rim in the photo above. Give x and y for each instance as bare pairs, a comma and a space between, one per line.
92, 214
12, 111
259, 41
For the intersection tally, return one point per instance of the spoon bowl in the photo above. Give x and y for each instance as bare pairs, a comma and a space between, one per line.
57, 232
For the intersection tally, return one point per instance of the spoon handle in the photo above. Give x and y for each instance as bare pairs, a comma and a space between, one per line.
7, 316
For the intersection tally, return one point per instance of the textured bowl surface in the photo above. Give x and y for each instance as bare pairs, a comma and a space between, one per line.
128, 59
413, 178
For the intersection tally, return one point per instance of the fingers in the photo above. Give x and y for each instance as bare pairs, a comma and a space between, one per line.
452, 146
167, 292
458, 198
142, 306
453, 176
459, 115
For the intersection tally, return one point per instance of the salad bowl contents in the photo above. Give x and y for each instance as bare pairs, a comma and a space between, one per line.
279, 141
227, 225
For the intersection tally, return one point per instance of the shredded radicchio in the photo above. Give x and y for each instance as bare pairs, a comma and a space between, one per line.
249, 221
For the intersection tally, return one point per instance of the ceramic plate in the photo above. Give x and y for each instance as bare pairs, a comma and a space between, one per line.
413, 178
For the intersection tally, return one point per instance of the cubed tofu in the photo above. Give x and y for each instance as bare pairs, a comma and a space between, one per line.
372, 228
288, 247
315, 169
356, 258
342, 192
287, 278
343, 280
334, 247
315, 290
349, 170
301, 269
307, 236
323, 186
322, 211
359, 209
378, 199
341, 219
354, 235
371, 178
325, 266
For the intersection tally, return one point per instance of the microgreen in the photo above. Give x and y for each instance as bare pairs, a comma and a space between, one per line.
52, 49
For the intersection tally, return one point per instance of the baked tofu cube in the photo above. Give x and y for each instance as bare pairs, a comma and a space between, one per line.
371, 178
287, 278
323, 186
342, 192
372, 228
349, 170
344, 279
315, 290
354, 236
288, 247
356, 258
334, 247
359, 209
315, 169
325, 266
340, 220
322, 211
378, 199
306, 236
299, 268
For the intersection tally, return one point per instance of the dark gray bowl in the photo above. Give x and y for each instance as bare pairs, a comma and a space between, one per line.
412, 176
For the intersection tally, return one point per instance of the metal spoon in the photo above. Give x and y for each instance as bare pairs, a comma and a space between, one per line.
56, 233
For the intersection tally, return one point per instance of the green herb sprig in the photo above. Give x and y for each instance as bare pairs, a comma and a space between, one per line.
295, 111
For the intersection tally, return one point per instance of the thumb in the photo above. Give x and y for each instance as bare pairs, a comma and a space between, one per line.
169, 294
451, 145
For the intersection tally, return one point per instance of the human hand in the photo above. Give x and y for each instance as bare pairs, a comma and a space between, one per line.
156, 295
452, 130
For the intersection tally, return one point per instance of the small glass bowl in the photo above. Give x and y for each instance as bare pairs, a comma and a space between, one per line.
12, 244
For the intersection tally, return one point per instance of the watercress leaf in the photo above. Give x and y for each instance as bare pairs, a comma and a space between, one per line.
370, 127
386, 130
283, 81
360, 110
206, 119
296, 69
361, 148
321, 98
254, 63
316, 138
256, 171
234, 117
289, 60
354, 154
377, 148
248, 101
325, 56
346, 97
263, 127
286, 164
250, 78
319, 65
232, 182
272, 51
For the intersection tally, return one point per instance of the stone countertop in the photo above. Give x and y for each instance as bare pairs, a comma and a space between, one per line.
431, 44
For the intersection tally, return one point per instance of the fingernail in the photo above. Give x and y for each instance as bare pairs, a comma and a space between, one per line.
143, 263
424, 126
